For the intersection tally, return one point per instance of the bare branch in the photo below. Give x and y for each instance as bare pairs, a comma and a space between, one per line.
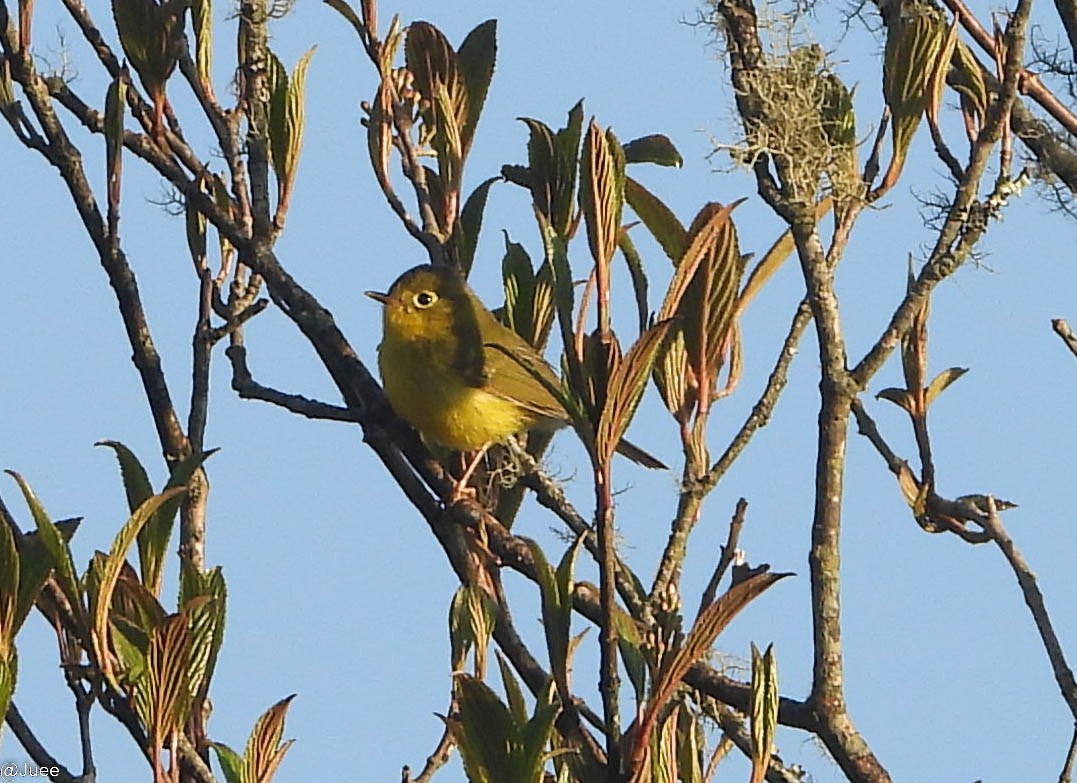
729, 549
26, 737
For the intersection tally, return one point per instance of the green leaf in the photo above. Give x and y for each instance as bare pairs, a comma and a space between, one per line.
517, 706
286, 116
942, 381
529, 296
690, 747
150, 34
476, 56
9, 590
638, 275
518, 279
131, 644
626, 386
459, 628
484, 732
55, 545
35, 565
655, 148
534, 737
469, 225
136, 482
230, 761
8, 675
556, 615
659, 219
115, 109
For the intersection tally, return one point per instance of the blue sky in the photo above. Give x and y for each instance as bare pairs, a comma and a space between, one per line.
338, 592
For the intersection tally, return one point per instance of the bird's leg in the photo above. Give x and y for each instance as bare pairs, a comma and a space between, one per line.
461, 490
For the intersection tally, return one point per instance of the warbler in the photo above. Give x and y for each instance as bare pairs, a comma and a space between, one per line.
443, 375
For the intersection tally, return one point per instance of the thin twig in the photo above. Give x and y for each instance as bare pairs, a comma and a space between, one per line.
1062, 329
1036, 605
729, 549
1029, 82
436, 760
1066, 776
249, 389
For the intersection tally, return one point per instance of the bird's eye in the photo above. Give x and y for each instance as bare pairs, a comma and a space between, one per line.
424, 299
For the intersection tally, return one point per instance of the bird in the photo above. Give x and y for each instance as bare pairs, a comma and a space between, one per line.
446, 367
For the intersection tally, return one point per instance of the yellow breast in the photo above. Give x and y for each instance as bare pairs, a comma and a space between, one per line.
433, 398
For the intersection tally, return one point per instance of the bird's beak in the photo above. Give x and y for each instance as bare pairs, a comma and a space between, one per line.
377, 296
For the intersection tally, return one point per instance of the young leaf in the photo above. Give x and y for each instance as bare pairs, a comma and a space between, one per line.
912, 48
764, 714
265, 751
625, 389
655, 148
203, 598
435, 66
671, 375
102, 598
34, 568
202, 17
899, 397
602, 178
710, 622
150, 34
942, 381
534, 737
161, 697
115, 109
550, 175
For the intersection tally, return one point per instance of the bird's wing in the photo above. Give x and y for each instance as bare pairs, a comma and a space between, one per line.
505, 377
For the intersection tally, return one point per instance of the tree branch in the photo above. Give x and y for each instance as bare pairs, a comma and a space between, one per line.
29, 741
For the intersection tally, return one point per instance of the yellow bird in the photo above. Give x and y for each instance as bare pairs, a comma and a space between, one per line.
442, 375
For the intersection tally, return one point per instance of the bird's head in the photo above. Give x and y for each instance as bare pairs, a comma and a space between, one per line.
428, 304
